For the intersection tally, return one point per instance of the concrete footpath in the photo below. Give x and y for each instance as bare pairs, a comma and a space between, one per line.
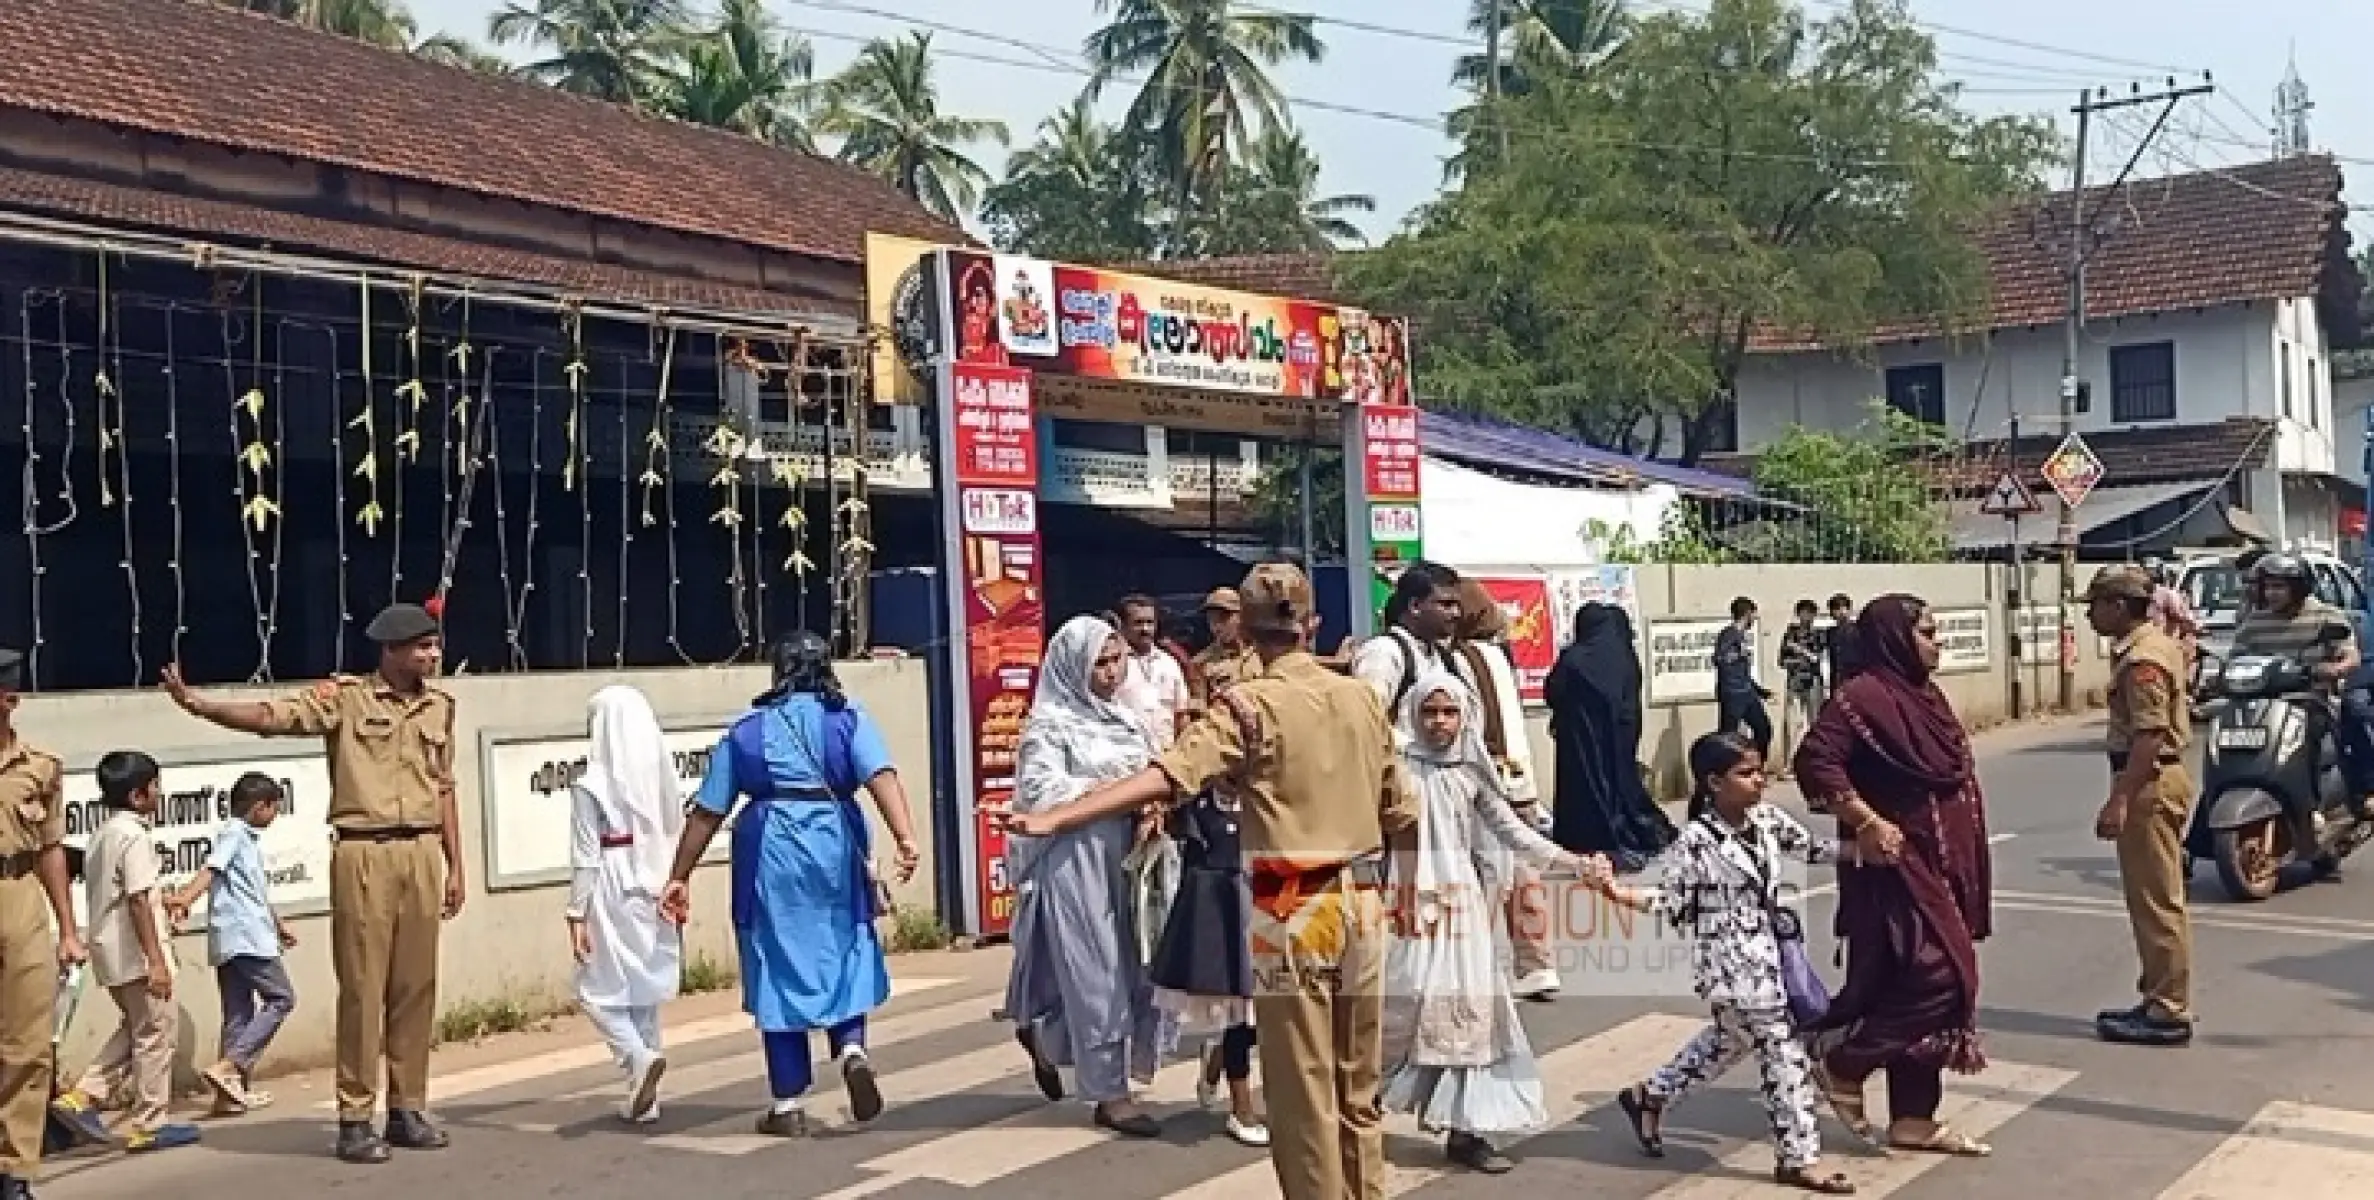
2274, 1098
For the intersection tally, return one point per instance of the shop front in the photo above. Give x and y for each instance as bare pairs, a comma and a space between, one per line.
1010, 341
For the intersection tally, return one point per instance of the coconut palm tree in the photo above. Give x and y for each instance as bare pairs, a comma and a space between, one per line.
1206, 89
1539, 35
886, 109
607, 49
380, 22
449, 50
1282, 164
743, 73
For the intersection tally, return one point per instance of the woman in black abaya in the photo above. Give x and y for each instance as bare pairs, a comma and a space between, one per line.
1594, 694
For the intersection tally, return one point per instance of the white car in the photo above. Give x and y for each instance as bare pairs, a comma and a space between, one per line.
2217, 591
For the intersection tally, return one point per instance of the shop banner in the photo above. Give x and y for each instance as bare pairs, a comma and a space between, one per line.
1004, 607
1524, 602
1089, 323
1681, 659
1390, 451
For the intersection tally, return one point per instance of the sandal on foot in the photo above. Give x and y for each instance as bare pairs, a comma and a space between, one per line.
1804, 1179
1847, 1103
1641, 1109
1944, 1140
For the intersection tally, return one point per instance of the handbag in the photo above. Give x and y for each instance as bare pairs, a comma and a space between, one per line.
840, 774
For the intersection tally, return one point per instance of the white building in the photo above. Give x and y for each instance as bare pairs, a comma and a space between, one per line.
2214, 300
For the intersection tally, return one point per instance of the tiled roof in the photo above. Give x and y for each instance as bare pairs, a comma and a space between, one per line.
82, 200
2262, 231
211, 73
2140, 455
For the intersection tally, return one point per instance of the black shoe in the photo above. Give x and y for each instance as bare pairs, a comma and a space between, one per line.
1042, 1072
2145, 1029
408, 1130
13, 1188
1138, 1126
1638, 1108
357, 1143
1476, 1154
2133, 1012
865, 1093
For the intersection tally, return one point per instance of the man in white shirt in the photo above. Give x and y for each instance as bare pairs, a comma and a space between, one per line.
1153, 685
1420, 618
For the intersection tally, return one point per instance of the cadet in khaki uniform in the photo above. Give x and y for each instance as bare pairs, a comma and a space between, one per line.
33, 890
1311, 755
395, 869
1228, 659
2151, 796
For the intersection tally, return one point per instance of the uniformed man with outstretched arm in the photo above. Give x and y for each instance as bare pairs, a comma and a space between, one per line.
395, 869
33, 891
1311, 756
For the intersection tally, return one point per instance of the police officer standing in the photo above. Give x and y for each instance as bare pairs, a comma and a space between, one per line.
33, 890
395, 868
1228, 659
1310, 754
2151, 796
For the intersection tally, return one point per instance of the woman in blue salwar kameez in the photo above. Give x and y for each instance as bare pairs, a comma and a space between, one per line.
804, 891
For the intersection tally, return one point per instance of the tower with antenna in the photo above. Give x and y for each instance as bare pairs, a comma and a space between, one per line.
2292, 107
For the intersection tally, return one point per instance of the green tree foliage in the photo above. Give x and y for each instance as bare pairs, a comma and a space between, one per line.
1860, 496
886, 110
744, 73
1718, 173
1277, 498
613, 50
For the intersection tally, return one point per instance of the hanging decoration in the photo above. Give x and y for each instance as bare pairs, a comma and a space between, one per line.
855, 550
730, 447
573, 472
626, 509
109, 437
338, 494
35, 529
367, 468
180, 550
659, 473
465, 439
411, 396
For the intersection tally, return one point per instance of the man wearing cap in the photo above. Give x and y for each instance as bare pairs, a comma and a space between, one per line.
1228, 659
1311, 755
33, 890
395, 867
2151, 796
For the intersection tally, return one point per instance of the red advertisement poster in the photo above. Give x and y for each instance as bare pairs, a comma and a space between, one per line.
995, 443
1391, 440
1532, 635
1004, 608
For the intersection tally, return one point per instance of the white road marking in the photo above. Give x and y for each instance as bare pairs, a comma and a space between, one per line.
2203, 916
1576, 1078
1976, 1108
1009, 1147
461, 1084
2296, 1151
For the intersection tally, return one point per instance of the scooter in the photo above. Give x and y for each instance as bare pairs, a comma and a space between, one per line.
2272, 789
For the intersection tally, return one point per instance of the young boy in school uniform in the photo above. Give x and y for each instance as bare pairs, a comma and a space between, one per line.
244, 940
132, 958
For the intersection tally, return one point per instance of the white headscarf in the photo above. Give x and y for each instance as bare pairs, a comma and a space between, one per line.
1096, 735
632, 776
1438, 774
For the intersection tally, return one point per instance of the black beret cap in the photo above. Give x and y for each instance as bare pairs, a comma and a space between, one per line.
400, 623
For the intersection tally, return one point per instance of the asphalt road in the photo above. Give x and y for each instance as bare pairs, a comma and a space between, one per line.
2275, 1098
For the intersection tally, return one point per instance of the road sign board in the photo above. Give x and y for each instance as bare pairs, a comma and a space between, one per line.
2010, 498
2073, 470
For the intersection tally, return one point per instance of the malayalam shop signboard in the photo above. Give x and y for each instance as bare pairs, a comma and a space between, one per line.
1087, 323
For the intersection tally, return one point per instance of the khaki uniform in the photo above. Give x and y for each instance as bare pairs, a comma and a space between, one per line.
1310, 754
32, 819
2147, 695
1219, 667
391, 762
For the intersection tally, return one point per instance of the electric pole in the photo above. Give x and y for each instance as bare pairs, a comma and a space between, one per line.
2083, 240
1492, 75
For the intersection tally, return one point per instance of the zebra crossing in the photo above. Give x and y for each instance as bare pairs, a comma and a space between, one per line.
965, 1121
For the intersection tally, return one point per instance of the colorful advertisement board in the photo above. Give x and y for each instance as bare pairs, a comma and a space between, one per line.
1532, 638
1103, 325
997, 572
1389, 470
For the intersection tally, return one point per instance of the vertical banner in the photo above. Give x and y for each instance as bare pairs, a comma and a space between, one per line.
1524, 602
987, 477
1389, 469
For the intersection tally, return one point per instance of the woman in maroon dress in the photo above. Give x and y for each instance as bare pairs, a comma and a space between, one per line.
1890, 760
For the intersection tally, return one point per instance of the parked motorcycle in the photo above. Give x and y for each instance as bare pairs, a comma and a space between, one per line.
2272, 790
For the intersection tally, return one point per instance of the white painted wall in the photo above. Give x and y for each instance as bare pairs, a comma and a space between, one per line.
2228, 363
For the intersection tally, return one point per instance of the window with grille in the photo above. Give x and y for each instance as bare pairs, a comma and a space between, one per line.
1918, 391
2143, 382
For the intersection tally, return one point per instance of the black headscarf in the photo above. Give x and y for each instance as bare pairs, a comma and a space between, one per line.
1601, 658
803, 663
1594, 695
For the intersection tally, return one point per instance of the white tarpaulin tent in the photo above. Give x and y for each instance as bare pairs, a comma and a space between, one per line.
1473, 519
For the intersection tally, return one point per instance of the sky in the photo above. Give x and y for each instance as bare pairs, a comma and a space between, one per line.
1372, 108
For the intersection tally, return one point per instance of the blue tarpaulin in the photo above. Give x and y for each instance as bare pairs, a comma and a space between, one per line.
1487, 445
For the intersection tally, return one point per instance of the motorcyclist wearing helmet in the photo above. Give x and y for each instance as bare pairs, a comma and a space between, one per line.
2288, 620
